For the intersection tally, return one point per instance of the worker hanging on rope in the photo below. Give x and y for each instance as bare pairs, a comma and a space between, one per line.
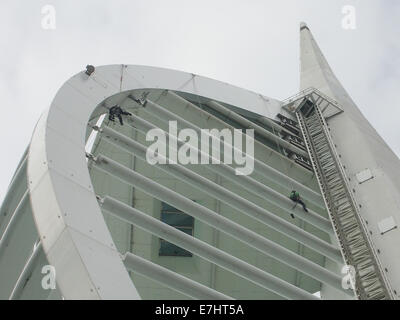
117, 111
295, 196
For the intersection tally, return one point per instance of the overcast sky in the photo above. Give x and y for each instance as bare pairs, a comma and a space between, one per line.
253, 44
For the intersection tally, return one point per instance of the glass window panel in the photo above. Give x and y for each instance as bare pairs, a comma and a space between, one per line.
179, 220
167, 207
169, 249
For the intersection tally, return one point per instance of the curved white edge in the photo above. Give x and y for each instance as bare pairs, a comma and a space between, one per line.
74, 235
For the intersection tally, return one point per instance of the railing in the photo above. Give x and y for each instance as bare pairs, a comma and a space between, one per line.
309, 92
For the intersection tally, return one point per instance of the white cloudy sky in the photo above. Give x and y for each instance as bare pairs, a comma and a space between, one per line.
248, 43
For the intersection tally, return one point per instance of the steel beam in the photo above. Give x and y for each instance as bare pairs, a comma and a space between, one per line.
247, 182
226, 196
199, 212
10, 194
261, 168
171, 279
204, 250
257, 129
265, 170
26, 272
13, 220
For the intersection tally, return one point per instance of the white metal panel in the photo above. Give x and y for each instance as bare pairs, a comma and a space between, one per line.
387, 224
364, 175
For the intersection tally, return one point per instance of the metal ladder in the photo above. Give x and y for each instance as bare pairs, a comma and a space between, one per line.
355, 243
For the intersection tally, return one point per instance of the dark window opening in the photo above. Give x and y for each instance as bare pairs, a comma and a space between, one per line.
179, 220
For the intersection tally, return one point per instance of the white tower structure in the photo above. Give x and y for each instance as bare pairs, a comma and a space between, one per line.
86, 210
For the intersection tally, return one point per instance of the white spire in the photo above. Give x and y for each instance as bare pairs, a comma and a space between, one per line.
315, 70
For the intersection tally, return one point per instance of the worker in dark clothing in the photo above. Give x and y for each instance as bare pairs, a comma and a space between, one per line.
295, 196
117, 111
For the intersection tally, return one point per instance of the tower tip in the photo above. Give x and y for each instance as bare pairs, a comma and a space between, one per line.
303, 26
